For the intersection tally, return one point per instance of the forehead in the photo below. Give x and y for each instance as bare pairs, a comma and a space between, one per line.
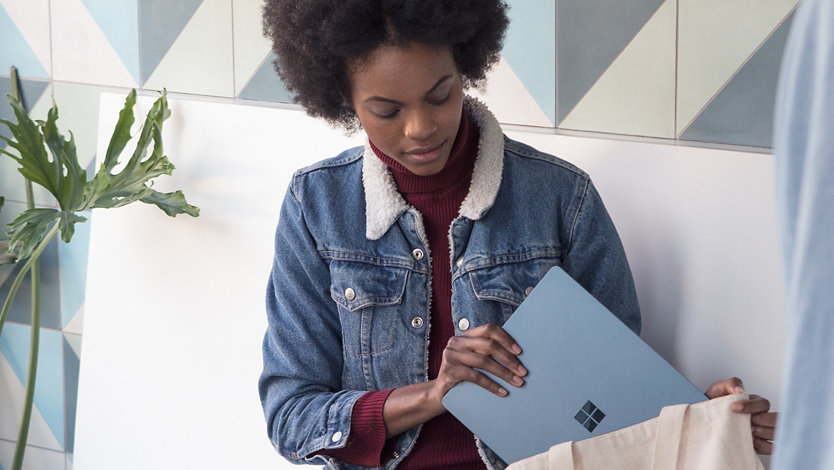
400, 70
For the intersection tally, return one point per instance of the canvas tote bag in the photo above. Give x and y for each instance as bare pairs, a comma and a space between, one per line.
702, 436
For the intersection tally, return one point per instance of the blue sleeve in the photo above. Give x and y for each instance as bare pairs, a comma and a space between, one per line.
804, 155
597, 260
300, 386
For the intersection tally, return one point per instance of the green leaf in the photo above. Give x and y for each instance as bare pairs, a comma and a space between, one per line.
71, 186
172, 203
121, 134
28, 229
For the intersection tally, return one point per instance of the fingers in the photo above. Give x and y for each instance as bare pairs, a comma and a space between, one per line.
767, 420
488, 348
755, 404
762, 446
764, 432
725, 387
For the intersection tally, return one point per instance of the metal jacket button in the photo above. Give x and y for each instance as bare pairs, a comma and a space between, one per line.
337, 436
459, 261
417, 322
417, 254
350, 294
463, 324
528, 290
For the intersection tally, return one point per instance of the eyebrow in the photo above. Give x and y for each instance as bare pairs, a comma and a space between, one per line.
387, 100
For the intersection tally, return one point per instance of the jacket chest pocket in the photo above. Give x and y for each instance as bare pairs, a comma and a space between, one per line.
506, 285
368, 297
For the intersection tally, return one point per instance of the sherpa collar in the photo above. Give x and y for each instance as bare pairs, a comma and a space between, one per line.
383, 203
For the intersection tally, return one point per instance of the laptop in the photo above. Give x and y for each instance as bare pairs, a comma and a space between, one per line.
588, 374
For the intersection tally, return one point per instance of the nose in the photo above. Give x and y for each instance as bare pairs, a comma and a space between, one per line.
419, 125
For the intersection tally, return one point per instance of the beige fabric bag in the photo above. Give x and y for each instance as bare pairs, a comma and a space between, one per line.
703, 436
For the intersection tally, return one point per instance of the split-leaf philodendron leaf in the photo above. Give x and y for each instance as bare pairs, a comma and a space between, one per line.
59, 172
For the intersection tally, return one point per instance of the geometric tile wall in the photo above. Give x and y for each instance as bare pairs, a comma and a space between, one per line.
693, 72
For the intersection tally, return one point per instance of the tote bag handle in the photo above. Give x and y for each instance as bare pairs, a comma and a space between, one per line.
668, 438
561, 456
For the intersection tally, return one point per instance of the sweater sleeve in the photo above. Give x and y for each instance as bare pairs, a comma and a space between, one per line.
366, 443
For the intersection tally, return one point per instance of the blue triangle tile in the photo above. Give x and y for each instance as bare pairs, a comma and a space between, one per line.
160, 23
742, 112
265, 85
49, 386
73, 270
50, 291
14, 50
530, 50
72, 366
119, 21
592, 33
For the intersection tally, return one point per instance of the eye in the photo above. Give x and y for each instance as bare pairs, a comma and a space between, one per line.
389, 115
440, 100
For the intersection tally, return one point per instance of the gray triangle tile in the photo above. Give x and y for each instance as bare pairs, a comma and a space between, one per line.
160, 23
50, 291
265, 85
591, 34
742, 112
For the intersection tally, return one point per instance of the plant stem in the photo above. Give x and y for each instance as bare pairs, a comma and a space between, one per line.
34, 346
19, 278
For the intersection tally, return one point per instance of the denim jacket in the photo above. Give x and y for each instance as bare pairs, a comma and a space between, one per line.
348, 298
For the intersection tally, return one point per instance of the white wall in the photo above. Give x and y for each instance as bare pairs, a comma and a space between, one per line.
174, 313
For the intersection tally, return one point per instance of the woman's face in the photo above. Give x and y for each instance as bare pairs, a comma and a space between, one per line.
409, 99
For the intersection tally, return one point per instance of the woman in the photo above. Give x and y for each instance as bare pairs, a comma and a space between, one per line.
395, 264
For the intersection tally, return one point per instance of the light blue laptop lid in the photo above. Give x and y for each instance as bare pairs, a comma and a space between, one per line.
589, 374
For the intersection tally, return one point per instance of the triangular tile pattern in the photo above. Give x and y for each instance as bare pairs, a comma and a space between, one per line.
73, 270
715, 39
251, 47
742, 112
72, 365
49, 391
81, 52
509, 99
11, 396
36, 458
160, 23
530, 49
265, 85
20, 311
119, 21
15, 50
591, 34
200, 61
32, 19
636, 94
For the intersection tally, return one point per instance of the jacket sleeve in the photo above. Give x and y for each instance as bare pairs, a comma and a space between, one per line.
300, 386
595, 256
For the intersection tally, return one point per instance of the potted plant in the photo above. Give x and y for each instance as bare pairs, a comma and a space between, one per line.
31, 144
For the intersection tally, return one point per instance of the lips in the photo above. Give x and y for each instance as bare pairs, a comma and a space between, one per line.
426, 153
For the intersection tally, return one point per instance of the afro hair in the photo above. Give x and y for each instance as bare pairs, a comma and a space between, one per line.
315, 41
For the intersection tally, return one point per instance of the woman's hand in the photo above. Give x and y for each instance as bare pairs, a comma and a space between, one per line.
762, 421
487, 347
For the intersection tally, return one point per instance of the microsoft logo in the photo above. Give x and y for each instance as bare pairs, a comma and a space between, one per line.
589, 416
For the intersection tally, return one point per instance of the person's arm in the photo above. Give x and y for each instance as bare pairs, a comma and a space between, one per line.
300, 386
763, 422
595, 256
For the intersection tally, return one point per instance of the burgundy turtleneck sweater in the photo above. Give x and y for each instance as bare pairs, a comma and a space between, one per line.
443, 442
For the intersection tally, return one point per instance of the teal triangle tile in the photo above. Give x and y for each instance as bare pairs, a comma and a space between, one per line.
72, 366
265, 85
530, 50
50, 291
49, 391
73, 270
742, 112
30, 91
591, 34
119, 21
160, 23
14, 50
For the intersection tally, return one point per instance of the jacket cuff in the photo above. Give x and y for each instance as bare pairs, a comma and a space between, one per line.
367, 432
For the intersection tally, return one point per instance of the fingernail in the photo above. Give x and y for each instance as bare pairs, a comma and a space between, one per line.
503, 392
736, 407
516, 349
521, 371
518, 380
739, 389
